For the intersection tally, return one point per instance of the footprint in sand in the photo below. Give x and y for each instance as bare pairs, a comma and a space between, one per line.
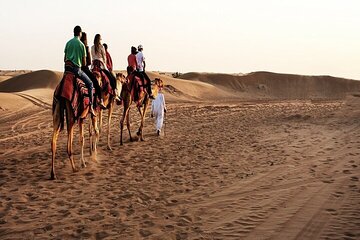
101, 235
356, 179
181, 235
350, 235
148, 223
144, 232
169, 227
328, 181
332, 211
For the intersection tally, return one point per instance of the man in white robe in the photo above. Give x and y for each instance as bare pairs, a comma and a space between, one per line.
158, 108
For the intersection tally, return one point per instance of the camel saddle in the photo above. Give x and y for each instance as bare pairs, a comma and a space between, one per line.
136, 87
105, 86
75, 91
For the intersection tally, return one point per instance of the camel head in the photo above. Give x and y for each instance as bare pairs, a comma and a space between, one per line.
120, 80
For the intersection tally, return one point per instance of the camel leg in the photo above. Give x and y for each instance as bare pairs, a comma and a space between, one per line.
122, 125
109, 123
82, 143
139, 132
56, 131
69, 145
70, 129
100, 121
95, 138
90, 138
128, 125
142, 114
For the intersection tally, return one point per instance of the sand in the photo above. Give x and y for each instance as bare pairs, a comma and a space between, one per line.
230, 164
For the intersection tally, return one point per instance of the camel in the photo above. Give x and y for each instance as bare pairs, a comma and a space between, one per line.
109, 102
142, 106
60, 105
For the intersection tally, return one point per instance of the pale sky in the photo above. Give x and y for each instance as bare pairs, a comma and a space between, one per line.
310, 37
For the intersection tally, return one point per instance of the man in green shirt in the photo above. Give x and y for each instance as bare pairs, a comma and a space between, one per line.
75, 58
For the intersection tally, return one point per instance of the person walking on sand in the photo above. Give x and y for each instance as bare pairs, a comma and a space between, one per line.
75, 58
158, 109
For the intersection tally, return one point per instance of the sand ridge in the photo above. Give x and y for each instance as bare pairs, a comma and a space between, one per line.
268, 85
31, 80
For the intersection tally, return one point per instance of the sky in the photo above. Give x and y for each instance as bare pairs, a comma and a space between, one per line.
309, 37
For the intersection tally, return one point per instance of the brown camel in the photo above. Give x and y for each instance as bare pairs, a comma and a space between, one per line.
109, 102
142, 105
60, 105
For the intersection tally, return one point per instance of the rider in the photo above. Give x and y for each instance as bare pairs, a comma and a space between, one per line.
75, 58
132, 58
99, 57
140, 66
109, 63
87, 71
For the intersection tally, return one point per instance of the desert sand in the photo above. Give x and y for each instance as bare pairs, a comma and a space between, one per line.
253, 156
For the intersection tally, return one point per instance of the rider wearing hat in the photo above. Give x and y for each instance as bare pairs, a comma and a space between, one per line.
140, 67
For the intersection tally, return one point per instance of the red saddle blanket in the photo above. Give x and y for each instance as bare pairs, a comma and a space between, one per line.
106, 86
74, 90
136, 87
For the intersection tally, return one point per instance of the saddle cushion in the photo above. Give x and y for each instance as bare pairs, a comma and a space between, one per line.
74, 90
106, 86
136, 87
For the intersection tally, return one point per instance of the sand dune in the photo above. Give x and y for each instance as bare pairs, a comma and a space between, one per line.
13, 73
3, 78
225, 167
210, 86
183, 89
280, 86
32, 80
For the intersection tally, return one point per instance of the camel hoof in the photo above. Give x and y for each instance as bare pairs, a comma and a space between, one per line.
109, 148
53, 177
75, 170
83, 165
131, 139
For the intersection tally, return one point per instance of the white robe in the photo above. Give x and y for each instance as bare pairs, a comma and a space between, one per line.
157, 109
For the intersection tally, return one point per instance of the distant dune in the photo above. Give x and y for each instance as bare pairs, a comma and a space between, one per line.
215, 86
187, 89
32, 80
3, 78
280, 86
